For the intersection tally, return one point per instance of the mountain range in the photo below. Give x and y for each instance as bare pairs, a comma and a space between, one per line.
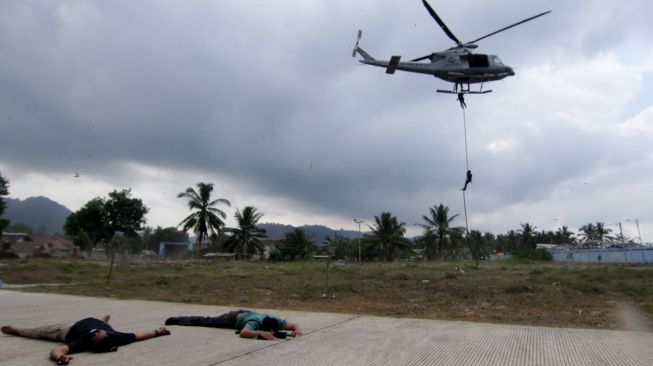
44, 215
41, 214
317, 232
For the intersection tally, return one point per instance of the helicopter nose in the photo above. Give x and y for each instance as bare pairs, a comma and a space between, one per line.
509, 71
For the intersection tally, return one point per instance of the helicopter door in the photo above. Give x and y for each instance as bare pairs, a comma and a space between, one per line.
477, 60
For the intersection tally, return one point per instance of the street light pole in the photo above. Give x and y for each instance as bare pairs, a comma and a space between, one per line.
359, 222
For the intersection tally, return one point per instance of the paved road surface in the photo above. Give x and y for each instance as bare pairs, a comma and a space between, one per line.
330, 339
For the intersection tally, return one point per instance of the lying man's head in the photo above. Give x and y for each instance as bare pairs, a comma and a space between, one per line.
270, 324
103, 341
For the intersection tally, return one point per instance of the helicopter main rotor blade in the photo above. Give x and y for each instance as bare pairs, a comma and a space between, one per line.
421, 58
441, 23
510, 26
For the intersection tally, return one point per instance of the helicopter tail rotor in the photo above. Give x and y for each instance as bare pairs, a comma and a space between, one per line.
360, 34
366, 56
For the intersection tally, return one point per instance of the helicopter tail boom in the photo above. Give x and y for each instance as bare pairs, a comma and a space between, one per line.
365, 55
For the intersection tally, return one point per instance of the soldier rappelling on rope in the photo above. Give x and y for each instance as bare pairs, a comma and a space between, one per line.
468, 179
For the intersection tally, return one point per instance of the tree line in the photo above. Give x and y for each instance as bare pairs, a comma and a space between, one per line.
118, 223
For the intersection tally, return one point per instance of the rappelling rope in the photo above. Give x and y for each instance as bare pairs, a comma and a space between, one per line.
467, 166
465, 130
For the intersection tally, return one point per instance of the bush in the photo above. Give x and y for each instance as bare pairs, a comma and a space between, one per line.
275, 255
69, 267
400, 277
534, 255
588, 289
519, 289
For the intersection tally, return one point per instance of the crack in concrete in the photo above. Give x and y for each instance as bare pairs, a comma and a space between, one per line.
284, 341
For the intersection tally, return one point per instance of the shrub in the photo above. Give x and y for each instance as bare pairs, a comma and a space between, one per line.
519, 289
588, 289
69, 267
400, 277
534, 255
535, 271
450, 276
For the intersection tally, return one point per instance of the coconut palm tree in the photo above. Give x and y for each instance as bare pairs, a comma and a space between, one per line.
437, 230
297, 243
509, 241
206, 216
341, 247
4, 191
245, 240
563, 235
587, 232
527, 232
602, 233
387, 235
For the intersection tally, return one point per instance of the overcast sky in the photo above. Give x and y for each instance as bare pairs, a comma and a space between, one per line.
263, 99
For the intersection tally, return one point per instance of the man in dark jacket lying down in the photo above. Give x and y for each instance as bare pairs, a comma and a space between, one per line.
90, 334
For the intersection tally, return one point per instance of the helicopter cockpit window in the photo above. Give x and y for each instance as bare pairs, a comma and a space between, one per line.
496, 61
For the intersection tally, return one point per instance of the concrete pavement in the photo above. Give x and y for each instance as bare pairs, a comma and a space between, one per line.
329, 339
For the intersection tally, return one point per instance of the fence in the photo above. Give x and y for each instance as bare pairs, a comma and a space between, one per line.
604, 255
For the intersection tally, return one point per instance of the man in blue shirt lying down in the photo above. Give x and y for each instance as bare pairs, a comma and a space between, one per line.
248, 323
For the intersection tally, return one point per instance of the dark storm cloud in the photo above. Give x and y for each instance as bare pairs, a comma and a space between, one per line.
266, 95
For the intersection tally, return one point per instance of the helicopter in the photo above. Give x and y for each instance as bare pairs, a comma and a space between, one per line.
458, 64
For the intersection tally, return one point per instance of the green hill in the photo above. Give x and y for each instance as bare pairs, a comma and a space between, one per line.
41, 214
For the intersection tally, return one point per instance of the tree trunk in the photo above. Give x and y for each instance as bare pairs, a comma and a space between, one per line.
113, 256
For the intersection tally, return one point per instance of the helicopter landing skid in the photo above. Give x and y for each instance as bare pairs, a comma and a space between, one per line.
464, 91
464, 88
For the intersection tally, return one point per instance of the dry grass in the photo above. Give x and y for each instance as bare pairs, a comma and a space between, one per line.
566, 295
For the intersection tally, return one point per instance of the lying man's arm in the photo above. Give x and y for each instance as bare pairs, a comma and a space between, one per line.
247, 332
147, 334
296, 330
60, 355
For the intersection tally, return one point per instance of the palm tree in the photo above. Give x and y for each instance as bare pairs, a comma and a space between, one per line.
245, 239
477, 245
587, 232
527, 232
339, 246
602, 233
563, 235
437, 230
510, 241
297, 243
387, 235
4, 191
206, 216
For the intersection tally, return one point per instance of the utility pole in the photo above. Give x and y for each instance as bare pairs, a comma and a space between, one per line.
359, 222
639, 234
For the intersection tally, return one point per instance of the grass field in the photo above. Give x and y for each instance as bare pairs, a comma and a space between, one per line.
550, 294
